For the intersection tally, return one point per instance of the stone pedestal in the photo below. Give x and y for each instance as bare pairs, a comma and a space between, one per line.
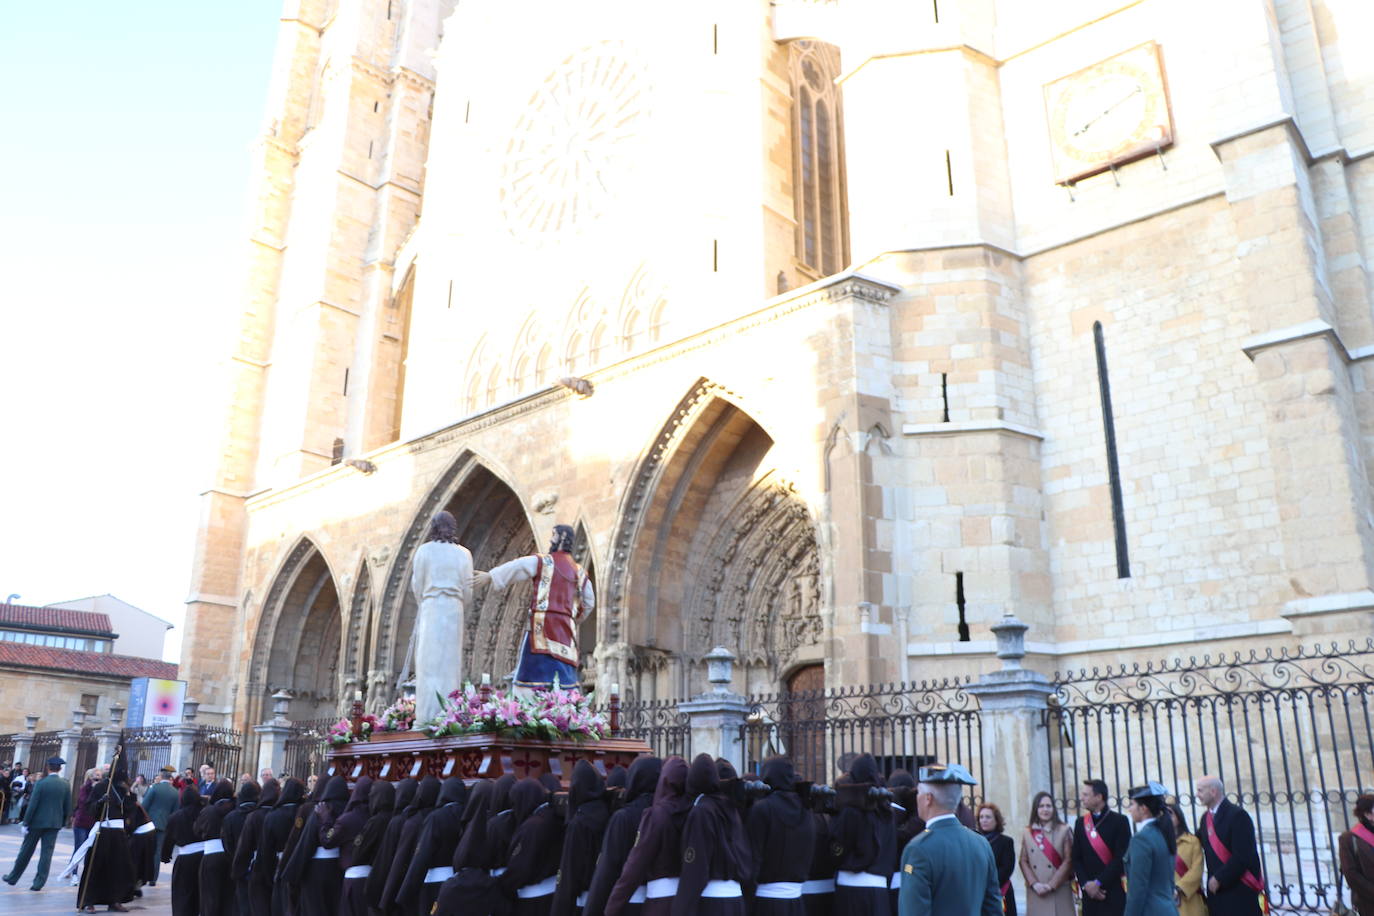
23, 746
272, 744
718, 715
1013, 703
107, 739
71, 740
183, 740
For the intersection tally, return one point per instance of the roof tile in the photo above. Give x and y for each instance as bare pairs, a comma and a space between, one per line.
27, 656
55, 618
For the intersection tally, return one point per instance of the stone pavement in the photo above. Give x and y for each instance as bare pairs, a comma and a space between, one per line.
58, 898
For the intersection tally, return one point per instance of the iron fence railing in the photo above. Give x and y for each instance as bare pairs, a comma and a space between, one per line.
306, 747
905, 726
221, 748
1290, 733
659, 724
147, 750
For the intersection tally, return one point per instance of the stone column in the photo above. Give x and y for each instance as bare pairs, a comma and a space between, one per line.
108, 737
1015, 741
1012, 701
183, 740
71, 738
23, 746
272, 735
718, 714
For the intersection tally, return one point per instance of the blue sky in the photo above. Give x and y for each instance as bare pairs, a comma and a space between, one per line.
125, 153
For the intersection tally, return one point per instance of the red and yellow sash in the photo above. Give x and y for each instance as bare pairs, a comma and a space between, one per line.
1180, 866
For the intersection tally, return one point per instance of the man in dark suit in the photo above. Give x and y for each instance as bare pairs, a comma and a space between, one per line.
49, 808
947, 870
1235, 878
1100, 840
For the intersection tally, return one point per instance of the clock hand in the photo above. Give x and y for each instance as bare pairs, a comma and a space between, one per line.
1106, 111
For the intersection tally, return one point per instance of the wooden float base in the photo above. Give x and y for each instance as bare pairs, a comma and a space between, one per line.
396, 755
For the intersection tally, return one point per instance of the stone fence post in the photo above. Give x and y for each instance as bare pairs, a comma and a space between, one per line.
1013, 703
23, 742
108, 737
718, 715
272, 735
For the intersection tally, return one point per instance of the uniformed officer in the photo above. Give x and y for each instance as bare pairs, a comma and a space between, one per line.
947, 869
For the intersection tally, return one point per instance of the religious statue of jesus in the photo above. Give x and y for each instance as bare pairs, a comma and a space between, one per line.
563, 597
442, 584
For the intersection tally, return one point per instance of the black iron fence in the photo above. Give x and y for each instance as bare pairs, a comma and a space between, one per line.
6, 749
147, 750
1290, 733
905, 726
306, 747
659, 724
45, 746
221, 748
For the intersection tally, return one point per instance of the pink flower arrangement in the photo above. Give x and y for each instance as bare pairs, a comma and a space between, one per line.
341, 732
548, 715
399, 716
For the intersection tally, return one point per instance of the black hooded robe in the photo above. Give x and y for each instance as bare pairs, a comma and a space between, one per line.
818, 892
231, 834
183, 850
312, 869
432, 862
386, 849
656, 859
360, 848
621, 831
864, 839
286, 894
252, 899
535, 849
782, 835
588, 814
717, 863
419, 811
472, 888
276, 830
107, 876
215, 887
142, 843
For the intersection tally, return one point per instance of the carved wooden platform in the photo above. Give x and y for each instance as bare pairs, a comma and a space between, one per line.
396, 755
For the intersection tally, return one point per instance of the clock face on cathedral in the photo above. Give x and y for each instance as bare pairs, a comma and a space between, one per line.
574, 143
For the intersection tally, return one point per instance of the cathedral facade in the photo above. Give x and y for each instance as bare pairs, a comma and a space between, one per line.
839, 329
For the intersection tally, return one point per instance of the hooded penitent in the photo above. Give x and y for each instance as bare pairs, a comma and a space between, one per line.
181, 833
714, 846
473, 850
658, 854
434, 848
251, 835
622, 830
501, 824
417, 813
406, 790
781, 830
588, 814
535, 848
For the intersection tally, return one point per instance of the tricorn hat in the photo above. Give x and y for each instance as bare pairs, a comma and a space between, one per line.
938, 773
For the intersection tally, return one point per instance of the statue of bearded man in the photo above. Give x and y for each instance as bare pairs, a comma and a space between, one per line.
441, 581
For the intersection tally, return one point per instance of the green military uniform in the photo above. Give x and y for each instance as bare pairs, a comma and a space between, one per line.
1149, 863
159, 802
49, 808
948, 870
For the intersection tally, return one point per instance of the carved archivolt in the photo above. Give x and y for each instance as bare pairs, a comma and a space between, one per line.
759, 592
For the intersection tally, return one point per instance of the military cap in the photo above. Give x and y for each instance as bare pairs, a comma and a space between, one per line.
938, 773
1151, 789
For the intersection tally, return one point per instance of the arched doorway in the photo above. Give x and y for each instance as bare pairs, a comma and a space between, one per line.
299, 638
493, 525
721, 551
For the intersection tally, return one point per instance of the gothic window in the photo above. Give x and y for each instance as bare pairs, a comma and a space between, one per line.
522, 374
632, 331
598, 350
822, 242
543, 369
658, 322
574, 354
470, 402
493, 386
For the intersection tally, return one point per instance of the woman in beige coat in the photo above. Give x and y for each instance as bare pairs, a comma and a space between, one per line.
1188, 861
1046, 863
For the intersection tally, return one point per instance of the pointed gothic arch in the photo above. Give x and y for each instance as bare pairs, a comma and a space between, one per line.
494, 524
298, 641
353, 671
712, 548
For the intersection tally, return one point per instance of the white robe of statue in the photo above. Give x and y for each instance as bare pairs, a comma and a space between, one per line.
442, 584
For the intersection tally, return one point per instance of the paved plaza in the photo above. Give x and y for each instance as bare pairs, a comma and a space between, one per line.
59, 897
